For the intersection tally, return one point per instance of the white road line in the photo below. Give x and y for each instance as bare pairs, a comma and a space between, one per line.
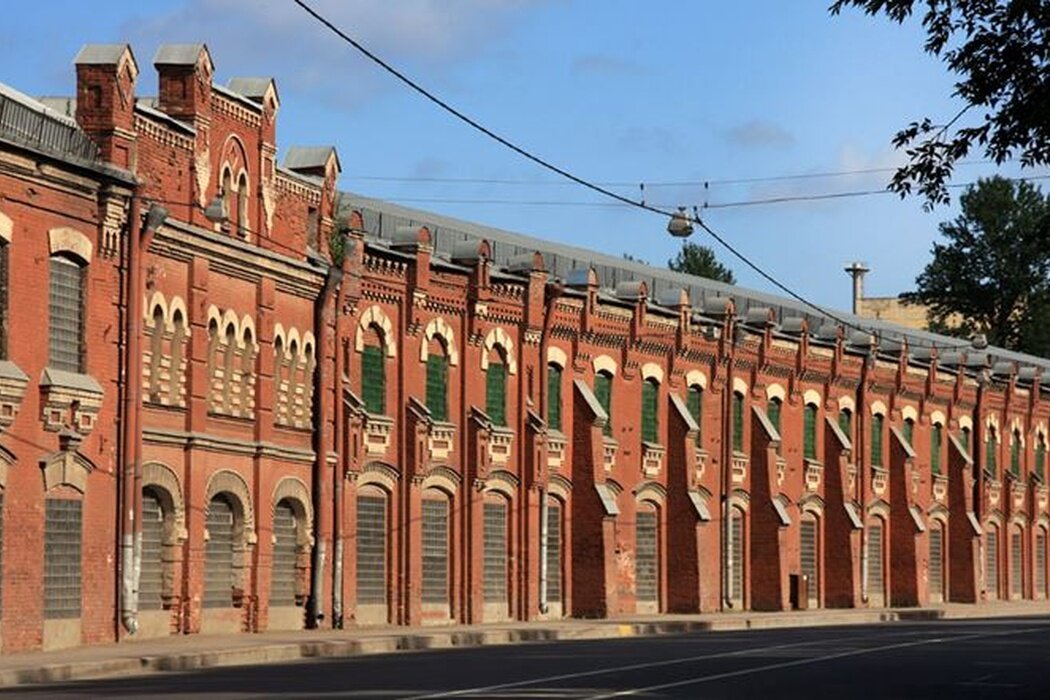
650, 664
803, 662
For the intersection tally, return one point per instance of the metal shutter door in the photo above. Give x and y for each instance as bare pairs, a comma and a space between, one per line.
737, 540
151, 573
495, 551
284, 570
62, 532
218, 555
1016, 565
435, 551
875, 574
371, 548
808, 557
646, 557
937, 563
554, 593
991, 563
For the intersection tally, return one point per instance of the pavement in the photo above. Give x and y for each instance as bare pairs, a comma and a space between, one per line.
134, 658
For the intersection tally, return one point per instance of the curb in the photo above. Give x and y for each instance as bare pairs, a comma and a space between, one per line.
342, 648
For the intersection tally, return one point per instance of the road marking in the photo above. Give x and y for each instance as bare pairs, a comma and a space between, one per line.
802, 662
650, 664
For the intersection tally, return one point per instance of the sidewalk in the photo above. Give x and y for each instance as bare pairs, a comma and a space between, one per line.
189, 652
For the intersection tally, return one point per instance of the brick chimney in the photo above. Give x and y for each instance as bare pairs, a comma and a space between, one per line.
184, 74
105, 110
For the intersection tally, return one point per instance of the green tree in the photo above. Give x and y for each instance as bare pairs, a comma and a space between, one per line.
699, 260
990, 275
1000, 51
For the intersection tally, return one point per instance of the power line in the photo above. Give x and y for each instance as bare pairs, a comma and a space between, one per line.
604, 191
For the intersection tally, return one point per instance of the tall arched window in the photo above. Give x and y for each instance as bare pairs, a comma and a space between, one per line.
1015, 453
373, 373
738, 421
496, 388
554, 397
809, 431
284, 572
66, 307
218, 553
809, 556
990, 448
1016, 562
436, 565
437, 381
736, 557
603, 392
151, 576
937, 543
695, 404
156, 348
846, 423
1040, 457
647, 553
228, 198
876, 562
372, 546
876, 440
991, 562
936, 440
909, 432
229, 350
178, 337
1041, 544
650, 411
773, 410
495, 539
554, 550
242, 206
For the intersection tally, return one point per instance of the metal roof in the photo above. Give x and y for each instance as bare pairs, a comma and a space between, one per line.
178, 54
101, 54
252, 88
382, 218
31, 123
307, 157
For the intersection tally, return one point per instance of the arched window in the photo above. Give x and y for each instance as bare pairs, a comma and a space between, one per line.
496, 388
937, 543
1015, 453
284, 568
554, 397
909, 432
156, 347
650, 411
647, 553
695, 404
245, 387
214, 381
990, 448
846, 423
1040, 457
436, 565
738, 421
603, 392
876, 440
554, 550
372, 546
494, 545
809, 431
242, 206
178, 377
936, 440
66, 307
62, 558
1040, 562
373, 373
229, 350
809, 556
876, 562
437, 381
228, 198
151, 573
1016, 562
220, 520
293, 368
279, 390
736, 558
991, 562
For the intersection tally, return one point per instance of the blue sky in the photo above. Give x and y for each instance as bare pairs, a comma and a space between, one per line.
669, 93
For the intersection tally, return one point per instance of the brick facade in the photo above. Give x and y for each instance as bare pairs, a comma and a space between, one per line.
259, 439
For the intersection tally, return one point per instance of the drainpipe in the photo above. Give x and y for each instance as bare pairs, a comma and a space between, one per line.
343, 448
139, 235
727, 461
552, 294
863, 474
315, 611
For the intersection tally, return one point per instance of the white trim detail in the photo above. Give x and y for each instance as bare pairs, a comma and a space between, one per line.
966, 421
847, 402
497, 336
937, 417
438, 327
63, 239
695, 377
811, 397
910, 412
774, 391
604, 363
739, 386
651, 370
557, 356
6, 227
375, 316
878, 408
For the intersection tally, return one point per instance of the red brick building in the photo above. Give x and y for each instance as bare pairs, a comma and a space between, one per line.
206, 425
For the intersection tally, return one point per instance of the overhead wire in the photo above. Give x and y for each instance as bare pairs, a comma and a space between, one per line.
587, 184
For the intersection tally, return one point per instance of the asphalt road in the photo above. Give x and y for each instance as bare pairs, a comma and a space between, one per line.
1001, 659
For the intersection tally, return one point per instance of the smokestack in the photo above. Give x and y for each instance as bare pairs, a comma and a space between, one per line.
857, 270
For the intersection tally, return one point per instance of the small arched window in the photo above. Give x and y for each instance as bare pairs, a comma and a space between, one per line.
650, 411
990, 448
603, 392
909, 432
178, 337
242, 206
1015, 453
496, 388
876, 440
156, 347
695, 404
738, 421
437, 381
1040, 457
554, 397
773, 410
373, 373
936, 440
229, 350
846, 423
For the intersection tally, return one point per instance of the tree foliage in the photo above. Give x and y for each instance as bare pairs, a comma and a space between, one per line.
1000, 51
990, 275
699, 260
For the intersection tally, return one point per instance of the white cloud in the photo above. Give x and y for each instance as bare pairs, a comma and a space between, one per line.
759, 133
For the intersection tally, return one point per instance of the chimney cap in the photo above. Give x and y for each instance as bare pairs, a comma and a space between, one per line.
103, 55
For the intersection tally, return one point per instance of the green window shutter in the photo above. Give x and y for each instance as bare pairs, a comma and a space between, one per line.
846, 423
738, 422
809, 431
554, 397
373, 380
935, 448
694, 403
989, 454
909, 431
876, 440
1040, 458
496, 392
1015, 454
650, 403
603, 392
437, 386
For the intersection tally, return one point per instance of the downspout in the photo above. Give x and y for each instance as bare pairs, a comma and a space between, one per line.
727, 460
315, 609
341, 442
139, 234
863, 472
